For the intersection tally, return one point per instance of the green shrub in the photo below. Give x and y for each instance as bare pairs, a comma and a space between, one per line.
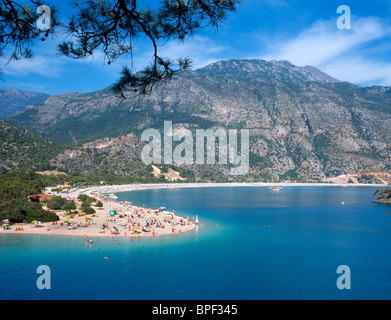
88, 210
99, 204
68, 206
56, 203
19, 211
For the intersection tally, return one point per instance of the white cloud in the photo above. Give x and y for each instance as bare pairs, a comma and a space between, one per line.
360, 71
49, 68
202, 51
48, 64
43, 63
344, 54
324, 41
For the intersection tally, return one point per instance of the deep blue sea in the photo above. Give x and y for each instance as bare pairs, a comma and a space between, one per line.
253, 244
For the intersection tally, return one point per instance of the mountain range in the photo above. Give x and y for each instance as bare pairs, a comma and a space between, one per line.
15, 100
304, 124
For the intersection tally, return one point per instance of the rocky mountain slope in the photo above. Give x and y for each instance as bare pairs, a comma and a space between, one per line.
121, 156
304, 125
14, 100
124, 151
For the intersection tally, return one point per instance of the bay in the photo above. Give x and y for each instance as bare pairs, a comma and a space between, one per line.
252, 243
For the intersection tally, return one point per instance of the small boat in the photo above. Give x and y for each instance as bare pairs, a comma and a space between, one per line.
196, 220
275, 188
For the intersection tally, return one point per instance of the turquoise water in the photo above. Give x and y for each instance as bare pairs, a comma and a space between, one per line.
253, 244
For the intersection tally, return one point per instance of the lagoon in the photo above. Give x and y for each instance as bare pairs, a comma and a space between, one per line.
252, 244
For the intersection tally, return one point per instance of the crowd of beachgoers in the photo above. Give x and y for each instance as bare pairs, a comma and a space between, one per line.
115, 218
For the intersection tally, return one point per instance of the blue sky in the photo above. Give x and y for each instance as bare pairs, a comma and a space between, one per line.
303, 32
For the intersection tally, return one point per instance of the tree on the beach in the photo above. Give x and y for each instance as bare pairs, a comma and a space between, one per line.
113, 28
69, 206
15, 187
86, 199
99, 204
88, 210
56, 203
24, 211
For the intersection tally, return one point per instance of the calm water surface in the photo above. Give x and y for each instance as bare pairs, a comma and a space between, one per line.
253, 244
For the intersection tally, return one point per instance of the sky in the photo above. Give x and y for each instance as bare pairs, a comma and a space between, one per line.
301, 31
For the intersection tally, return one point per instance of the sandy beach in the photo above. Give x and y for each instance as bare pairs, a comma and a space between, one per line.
130, 220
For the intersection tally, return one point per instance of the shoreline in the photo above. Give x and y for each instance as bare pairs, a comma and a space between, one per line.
130, 221
132, 187
130, 218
